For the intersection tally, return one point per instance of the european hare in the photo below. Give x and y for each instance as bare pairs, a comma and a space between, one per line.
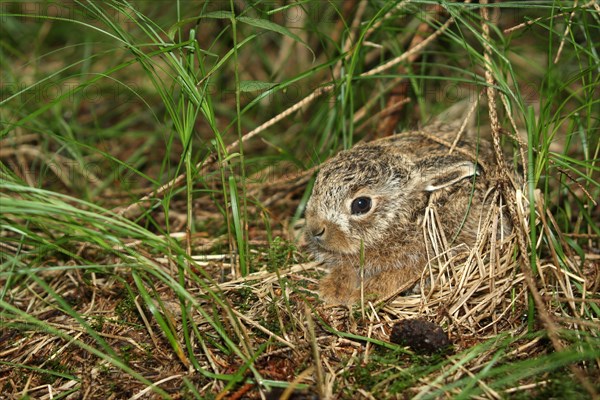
371, 200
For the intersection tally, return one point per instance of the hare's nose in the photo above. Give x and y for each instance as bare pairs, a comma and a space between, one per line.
317, 231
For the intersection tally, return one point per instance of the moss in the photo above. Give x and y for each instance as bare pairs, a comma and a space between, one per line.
280, 254
126, 309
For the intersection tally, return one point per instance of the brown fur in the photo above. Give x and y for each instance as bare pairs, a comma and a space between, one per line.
402, 174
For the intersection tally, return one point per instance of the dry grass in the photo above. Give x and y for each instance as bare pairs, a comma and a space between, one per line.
475, 294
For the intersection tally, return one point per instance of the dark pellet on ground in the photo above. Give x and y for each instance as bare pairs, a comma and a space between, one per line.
421, 336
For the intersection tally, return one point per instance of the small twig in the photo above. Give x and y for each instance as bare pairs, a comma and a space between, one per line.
465, 122
592, 3
362, 112
410, 52
377, 24
567, 29
572, 178
528, 23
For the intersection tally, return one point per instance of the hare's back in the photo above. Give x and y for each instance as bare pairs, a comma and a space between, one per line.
431, 142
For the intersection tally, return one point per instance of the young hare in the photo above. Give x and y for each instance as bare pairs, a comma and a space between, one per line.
368, 204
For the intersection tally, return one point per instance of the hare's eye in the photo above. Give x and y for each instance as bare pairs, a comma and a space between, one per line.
360, 205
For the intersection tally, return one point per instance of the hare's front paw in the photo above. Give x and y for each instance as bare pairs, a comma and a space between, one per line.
339, 287
384, 284
391, 281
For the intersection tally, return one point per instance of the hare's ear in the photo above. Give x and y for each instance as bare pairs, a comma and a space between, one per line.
448, 174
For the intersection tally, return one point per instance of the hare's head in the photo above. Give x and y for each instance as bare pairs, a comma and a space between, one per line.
370, 194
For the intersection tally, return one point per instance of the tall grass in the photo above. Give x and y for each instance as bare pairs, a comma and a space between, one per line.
126, 164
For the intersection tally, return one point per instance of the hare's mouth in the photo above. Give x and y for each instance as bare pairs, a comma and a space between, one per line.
332, 249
